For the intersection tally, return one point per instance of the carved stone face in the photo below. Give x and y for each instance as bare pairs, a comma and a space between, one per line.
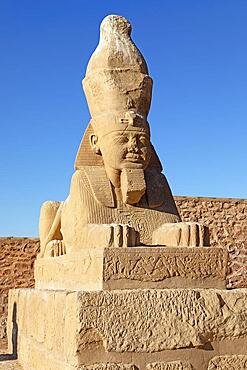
125, 149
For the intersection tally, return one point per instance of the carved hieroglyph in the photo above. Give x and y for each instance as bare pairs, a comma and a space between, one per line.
153, 320
130, 268
231, 362
109, 366
118, 195
174, 365
128, 326
165, 263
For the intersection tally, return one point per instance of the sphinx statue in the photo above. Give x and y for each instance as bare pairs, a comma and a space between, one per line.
118, 195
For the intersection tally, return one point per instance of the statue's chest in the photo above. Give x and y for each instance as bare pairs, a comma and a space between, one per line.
143, 220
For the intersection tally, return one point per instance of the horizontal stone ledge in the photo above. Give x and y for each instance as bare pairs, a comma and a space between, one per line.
130, 268
123, 321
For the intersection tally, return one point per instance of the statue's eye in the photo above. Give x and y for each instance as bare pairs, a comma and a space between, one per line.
143, 140
124, 139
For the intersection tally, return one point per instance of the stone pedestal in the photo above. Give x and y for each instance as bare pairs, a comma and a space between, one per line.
163, 329
131, 268
130, 308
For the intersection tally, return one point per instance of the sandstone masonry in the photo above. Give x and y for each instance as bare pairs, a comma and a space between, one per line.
227, 221
17, 256
226, 218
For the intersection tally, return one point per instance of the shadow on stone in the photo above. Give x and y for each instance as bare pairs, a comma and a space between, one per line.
13, 355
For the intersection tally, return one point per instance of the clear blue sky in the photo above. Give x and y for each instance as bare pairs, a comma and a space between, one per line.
197, 56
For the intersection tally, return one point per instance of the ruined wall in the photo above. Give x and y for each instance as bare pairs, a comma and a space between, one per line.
17, 256
226, 218
227, 221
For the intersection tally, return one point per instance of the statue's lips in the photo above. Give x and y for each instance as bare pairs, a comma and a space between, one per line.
136, 158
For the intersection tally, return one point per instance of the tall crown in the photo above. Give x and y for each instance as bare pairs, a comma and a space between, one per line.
117, 77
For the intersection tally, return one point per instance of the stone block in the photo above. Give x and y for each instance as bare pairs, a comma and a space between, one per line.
234, 362
127, 268
132, 327
156, 320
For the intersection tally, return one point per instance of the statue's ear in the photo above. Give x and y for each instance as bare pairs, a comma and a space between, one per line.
85, 155
94, 143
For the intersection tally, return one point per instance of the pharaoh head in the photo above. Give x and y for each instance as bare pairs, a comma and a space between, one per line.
118, 91
125, 144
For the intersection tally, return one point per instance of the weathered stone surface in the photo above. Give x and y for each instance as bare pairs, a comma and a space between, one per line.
227, 222
17, 256
77, 271
158, 264
10, 365
233, 362
225, 217
109, 366
190, 234
174, 365
73, 328
133, 185
229, 215
157, 319
47, 327
154, 320
126, 268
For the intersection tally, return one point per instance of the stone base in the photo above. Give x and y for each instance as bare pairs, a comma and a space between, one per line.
163, 329
131, 268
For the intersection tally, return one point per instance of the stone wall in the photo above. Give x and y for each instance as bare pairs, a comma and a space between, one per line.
226, 218
227, 221
17, 256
